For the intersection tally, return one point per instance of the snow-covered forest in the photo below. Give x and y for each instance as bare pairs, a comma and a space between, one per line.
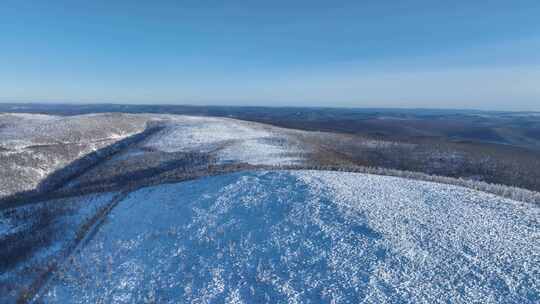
269, 214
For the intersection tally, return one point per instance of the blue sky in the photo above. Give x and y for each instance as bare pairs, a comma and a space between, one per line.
436, 54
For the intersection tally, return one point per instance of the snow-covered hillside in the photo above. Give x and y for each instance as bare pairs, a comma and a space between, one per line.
34, 238
307, 236
32, 146
234, 141
19, 131
252, 236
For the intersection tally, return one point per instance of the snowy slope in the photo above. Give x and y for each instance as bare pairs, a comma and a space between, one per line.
34, 237
307, 236
234, 141
32, 146
20, 131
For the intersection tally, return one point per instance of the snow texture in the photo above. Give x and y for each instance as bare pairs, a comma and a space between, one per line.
32, 146
233, 141
20, 131
48, 227
307, 236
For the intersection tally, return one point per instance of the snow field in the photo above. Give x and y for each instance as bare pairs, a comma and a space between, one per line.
232, 140
49, 228
308, 236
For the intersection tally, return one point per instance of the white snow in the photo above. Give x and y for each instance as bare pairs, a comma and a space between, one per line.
301, 236
32, 146
449, 242
279, 236
28, 140
58, 222
22, 130
232, 140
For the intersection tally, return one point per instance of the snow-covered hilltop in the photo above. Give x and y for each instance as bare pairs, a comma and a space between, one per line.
233, 141
133, 216
33, 146
307, 236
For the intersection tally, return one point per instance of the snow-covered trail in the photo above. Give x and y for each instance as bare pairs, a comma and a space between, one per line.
307, 236
34, 239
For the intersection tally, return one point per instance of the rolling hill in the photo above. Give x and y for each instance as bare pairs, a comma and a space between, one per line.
306, 236
158, 207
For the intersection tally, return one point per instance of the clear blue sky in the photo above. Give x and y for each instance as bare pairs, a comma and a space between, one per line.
441, 54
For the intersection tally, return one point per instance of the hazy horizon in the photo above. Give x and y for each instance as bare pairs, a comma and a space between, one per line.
368, 54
